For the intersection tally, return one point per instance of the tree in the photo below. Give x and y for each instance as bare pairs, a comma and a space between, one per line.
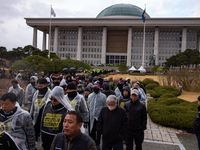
3, 51
122, 67
154, 69
33, 64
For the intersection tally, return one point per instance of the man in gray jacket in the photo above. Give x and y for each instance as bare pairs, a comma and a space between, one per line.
16, 128
30, 90
18, 91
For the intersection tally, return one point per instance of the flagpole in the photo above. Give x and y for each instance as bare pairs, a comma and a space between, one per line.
143, 43
49, 33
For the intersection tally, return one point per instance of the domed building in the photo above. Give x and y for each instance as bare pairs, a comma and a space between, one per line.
116, 35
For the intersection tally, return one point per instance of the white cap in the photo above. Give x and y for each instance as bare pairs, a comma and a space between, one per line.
127, 78
135, 91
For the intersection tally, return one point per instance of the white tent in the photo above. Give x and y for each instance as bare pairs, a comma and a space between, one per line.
141, 69
132, 68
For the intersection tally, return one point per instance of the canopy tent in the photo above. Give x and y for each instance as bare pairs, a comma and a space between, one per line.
132, 68
141, 69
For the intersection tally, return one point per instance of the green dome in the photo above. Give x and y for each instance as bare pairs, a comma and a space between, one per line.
119, 10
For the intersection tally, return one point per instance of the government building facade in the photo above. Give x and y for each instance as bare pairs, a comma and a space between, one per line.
116, 35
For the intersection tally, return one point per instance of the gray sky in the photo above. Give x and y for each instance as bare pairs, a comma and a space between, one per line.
15, 33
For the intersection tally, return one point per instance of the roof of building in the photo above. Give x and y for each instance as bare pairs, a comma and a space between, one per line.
122, 10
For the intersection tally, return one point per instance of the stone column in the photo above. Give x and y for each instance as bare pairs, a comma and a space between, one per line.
184, 39
156, 44
35, 37
104, 43
129, 46
55, 47
79, 44
44, 41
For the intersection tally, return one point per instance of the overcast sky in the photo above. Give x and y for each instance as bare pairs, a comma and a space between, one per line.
14, 32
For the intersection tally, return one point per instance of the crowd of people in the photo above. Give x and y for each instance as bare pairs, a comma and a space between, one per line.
66, 112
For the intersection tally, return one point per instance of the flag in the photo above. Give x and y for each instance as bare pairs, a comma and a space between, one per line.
52, 12
143, 15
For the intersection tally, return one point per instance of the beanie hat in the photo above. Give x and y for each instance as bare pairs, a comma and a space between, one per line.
71, 86
107, 87
88, 89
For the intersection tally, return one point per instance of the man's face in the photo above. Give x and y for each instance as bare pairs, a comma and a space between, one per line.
111, 105
14, 85
7, 105
86, 93
32, 80
40, 86
70, 126
125, 92
56, 80
107, 91
198, 103
134, 97
54, 101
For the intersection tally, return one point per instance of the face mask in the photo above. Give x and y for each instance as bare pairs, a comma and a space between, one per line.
33, 83
96, 90
72, 94
57, 83
43, 90
111, 108
86, 96
126, 96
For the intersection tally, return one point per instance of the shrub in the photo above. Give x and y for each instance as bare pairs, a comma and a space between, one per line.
149, 81
151, 86
172, 112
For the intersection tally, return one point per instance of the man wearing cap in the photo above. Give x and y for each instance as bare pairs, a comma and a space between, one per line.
77, 101
142, 94
196, 125
56, 81
112, 123
128, 81
111, 82
137, 115
119, 88
96, 101
107, 91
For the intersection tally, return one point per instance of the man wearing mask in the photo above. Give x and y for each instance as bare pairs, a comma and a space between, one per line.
77, 101
56, 81
39, 98
51, 116
107, 91
30, 90
16, 123
68, 78
18, 91
112, 123
87, 92
125, 97
96, 101
137, 115
119, 88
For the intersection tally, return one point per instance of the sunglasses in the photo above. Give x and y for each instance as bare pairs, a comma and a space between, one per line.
55, 100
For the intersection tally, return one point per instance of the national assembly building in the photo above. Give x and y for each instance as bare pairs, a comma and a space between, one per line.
116, 35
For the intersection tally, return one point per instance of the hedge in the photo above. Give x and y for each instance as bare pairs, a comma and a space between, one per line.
149, 81
172, 112
151, 86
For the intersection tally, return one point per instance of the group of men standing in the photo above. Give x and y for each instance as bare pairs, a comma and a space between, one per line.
62, 109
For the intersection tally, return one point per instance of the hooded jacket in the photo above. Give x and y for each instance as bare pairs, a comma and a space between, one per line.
19, 92
37, 103
30, 90
67, 81
95, 103
122, 99
79, 104
19, 126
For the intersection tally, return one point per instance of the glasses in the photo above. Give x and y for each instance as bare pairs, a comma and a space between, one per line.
55, 100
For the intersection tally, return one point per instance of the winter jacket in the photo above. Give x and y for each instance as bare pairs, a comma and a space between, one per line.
37, 103
30, 90
79, 104
96, 102
78, 142
122, 99
52, 122
196, 125
111, 92
137, 115
19, 126
112, 124
19, 92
